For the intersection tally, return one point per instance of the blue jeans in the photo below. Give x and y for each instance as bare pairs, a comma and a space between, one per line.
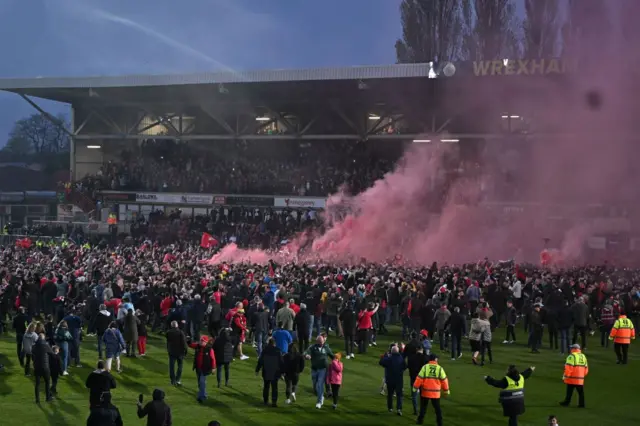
311, 321
174, 375
332, 322
318, 378
564, 340
318, 325
64, 348
259, 342
202, 387
415, 396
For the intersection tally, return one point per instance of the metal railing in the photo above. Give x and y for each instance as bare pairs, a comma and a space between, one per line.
10, 239
90, 228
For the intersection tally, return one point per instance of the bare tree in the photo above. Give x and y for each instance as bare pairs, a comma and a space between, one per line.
36, 135
586, 29
491, 29
431, 31
541, 28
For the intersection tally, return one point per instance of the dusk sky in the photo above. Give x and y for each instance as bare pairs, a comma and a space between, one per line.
52, 38
90, 37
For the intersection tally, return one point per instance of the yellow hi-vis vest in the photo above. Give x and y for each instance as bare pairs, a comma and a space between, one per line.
514, 391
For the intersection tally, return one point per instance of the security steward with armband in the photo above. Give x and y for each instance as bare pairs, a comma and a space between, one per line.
576, 369
512, 393
431, 382
622, 334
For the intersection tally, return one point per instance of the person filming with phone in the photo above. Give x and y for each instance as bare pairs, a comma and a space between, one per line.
158, 413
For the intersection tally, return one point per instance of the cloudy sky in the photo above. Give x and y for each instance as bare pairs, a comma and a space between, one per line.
114, 37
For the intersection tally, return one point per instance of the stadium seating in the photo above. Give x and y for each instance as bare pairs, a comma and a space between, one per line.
243, 167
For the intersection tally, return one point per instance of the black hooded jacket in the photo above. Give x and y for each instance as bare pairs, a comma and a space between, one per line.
105, 414
157, 411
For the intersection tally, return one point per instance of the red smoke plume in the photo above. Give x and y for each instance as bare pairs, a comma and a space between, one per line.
574, 177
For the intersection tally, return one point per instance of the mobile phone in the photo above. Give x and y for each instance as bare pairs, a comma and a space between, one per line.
140, 398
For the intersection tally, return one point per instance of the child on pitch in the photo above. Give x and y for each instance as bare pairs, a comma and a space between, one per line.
334, 378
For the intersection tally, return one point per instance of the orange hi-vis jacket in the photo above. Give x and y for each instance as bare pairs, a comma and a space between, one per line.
622, 331
431, 381
576, 368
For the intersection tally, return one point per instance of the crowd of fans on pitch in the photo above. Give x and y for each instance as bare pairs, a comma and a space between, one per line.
245, 167
122, 293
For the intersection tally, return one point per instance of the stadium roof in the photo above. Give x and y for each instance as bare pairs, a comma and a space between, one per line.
67, 89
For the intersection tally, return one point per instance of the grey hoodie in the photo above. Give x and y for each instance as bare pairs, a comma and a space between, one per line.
441, 317
28, 340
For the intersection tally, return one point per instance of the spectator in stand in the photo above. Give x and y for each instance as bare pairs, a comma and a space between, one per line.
268, 167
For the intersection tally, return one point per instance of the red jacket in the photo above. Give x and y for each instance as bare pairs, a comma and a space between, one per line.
240, 323
113, 304
165, 306
204, 361
295, 308
364, 320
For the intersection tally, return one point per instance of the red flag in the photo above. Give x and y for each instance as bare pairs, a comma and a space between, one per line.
207, 241
24, 243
